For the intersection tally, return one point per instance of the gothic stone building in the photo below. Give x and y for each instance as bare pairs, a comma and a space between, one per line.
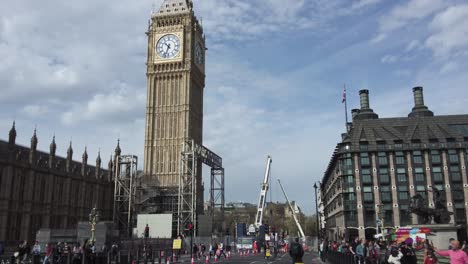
41, 190
382, 162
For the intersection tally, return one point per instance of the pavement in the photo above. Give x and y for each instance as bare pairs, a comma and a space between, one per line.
309, 258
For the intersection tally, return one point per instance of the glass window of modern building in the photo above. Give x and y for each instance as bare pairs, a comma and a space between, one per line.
384, 176
455, 174
421, 190
437, 175
399, 158
435, 157
401, 175
383, 160
385, 194
453, 156
417, 157
368, 194
419, 175
366, 176
365, 161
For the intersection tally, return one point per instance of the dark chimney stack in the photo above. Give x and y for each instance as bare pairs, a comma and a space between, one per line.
354, 113
365, 112
364, 98
419, 109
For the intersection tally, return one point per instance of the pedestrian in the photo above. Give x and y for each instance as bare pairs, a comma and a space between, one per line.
361, 251
77, 253
114, 251
322, 251
203, 250
404, 250
430, 257
146, 234
296, 252
395, 257
457, 256
372, 253
36, 251
48, 253
411, 255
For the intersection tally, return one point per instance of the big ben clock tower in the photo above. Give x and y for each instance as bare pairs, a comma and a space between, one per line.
174, 108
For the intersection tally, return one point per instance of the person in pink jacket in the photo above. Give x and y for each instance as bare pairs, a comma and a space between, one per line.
457, 256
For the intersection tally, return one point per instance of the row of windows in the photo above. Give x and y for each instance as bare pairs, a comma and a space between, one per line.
400, 159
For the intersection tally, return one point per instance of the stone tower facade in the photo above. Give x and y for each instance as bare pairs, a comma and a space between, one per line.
176, 81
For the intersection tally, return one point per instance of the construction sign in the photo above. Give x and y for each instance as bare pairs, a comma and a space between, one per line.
177, 244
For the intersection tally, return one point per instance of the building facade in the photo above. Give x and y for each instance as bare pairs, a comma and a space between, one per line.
41, 190
382, 162
176, 81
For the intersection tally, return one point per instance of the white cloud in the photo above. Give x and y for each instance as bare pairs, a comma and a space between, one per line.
35, 110
378, 38
364, 3
449, 67
389, 59
121, 103
449, 31
413, 45
411, 10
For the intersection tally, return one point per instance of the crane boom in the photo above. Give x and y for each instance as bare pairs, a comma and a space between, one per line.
263, 193
292, 210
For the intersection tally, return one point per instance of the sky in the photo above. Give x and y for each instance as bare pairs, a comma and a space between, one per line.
274, 79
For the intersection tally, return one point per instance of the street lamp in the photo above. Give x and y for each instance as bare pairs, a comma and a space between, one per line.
317, 212
378, 218
93, 220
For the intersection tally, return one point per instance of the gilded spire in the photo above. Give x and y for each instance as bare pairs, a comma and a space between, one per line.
34, 140
12, 135
53, 147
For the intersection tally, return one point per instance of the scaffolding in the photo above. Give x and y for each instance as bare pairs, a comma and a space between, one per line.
217, 194
125, 180
192, 154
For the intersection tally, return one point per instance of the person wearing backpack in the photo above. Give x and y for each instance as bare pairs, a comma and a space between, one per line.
296, 252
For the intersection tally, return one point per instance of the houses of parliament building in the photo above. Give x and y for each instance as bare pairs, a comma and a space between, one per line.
42, 190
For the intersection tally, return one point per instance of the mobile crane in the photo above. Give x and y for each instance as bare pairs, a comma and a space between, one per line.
263, 194
301, 232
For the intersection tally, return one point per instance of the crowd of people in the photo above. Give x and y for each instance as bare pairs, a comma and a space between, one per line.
381, 252
217, 250
56, 253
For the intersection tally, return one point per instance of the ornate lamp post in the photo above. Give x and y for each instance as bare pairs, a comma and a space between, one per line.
317, 212
93, 220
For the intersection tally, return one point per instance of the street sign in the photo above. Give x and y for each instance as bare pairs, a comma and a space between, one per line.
177, 244
378, 222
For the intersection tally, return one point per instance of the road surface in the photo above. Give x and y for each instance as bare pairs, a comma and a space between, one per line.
309, 258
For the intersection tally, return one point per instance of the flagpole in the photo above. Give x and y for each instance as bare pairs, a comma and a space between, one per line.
346, 107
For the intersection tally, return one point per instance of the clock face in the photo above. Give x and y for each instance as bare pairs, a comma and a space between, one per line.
198, 53
168, 46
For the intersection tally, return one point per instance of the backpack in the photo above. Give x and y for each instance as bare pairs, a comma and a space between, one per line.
296, 250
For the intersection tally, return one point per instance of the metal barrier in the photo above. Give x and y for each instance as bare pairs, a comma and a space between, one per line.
334, 257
